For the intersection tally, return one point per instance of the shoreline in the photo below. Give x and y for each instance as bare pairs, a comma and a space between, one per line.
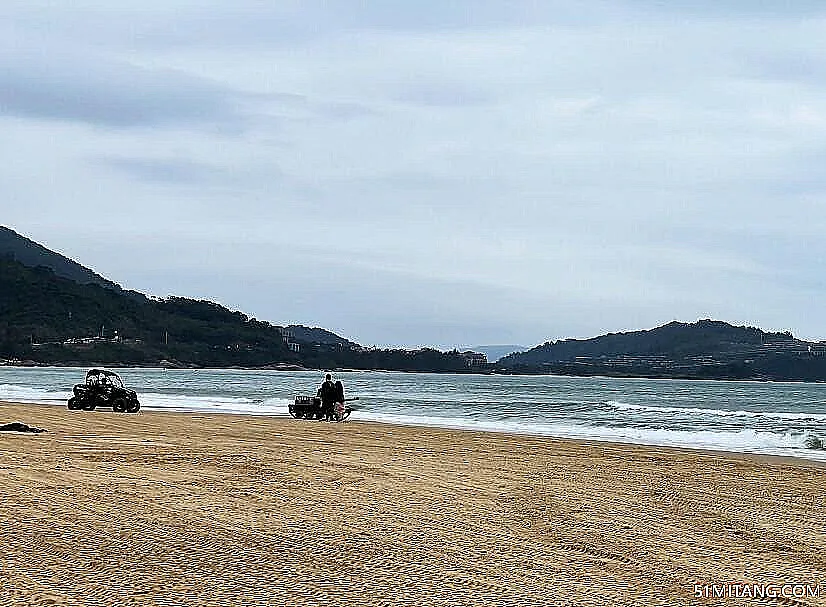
767, 458
214, 508
821, 463
792, 459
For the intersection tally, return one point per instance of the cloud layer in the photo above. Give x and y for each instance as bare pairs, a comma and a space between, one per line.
442, 173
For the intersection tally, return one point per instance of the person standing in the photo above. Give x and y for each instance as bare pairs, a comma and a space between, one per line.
339, 401
327, 392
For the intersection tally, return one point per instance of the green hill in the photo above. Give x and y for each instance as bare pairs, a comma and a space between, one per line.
29, 253
704, 349
49, 318
317, 335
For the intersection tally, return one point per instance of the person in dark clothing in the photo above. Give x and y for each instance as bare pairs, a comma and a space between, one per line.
338, 406
327, 392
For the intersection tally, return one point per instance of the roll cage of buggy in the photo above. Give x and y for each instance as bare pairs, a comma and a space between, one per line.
103, 388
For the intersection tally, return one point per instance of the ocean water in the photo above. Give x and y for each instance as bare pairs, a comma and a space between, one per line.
755, 417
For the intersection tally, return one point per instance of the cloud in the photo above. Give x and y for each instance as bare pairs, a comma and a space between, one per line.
734, 8
61, 86
178, 171
442, 94
491, 171
341, 110
84, 87
789, 66
436, 15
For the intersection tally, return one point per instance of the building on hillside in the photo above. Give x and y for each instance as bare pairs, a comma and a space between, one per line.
474, 359
289, 339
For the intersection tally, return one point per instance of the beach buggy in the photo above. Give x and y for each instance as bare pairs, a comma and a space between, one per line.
103, 389
309, 407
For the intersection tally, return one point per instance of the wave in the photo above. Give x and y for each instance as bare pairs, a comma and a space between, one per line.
746, 440
779, 442
28, 394
158, 401
718, 412
218, 404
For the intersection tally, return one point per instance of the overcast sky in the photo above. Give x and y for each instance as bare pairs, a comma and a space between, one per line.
433, 172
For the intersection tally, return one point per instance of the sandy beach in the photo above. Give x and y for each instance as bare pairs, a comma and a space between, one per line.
212, 509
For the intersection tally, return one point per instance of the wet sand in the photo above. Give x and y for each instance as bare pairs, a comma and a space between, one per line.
211, 509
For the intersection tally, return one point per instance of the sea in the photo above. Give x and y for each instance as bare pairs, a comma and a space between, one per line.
751, 417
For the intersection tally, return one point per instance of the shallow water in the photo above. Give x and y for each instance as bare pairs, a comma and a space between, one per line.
771, 418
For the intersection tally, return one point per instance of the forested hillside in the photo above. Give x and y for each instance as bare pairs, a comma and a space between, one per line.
31, 254
46, 318
675, 339
704, 349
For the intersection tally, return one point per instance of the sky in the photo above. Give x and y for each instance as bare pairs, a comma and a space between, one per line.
432, 173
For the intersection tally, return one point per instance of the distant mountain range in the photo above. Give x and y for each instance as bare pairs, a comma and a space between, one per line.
55, 311
705, 349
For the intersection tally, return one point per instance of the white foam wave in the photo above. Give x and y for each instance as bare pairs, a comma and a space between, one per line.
27, 394
795, 415
217, 404
157, 401
746, 440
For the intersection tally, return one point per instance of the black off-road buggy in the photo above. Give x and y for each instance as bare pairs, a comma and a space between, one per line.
104, 389
309, 407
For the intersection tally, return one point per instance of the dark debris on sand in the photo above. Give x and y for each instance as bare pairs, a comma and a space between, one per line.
20, 427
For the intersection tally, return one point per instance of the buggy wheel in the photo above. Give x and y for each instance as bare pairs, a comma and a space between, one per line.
119, 405
133, 406
72, 404
293, 412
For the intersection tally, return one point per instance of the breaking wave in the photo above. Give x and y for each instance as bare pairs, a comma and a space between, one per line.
27, 394
746, 440
718, 412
